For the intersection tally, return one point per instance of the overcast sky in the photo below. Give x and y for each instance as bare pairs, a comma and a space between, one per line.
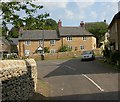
72, 12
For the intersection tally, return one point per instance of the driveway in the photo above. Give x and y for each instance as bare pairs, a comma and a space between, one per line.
76, 80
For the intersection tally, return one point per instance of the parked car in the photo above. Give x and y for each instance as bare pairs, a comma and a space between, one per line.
88, 55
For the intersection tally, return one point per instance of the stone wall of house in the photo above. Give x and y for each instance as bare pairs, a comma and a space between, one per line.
18, 79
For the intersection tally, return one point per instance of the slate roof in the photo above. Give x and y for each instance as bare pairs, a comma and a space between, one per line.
74, 31
37, 35
116, 17
3, 40
6, 42
14, 41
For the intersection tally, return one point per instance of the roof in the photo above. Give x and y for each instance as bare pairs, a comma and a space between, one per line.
3, 40
6, 42
38, 34
73, 31
14, 41
116, 17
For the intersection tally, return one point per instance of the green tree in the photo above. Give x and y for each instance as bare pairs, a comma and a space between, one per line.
64, 48
14, 32
51, 24
10, 15
98, 29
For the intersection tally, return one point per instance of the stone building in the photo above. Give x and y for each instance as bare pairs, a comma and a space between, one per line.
76, 38
114, 30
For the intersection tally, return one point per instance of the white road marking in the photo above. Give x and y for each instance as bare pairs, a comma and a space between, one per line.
93, 82
69, 67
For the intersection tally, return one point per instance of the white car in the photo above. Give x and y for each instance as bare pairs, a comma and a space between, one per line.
87, 55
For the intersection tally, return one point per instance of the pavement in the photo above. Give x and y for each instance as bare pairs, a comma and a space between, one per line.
72, 79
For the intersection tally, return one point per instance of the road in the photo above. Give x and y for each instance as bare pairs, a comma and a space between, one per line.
75, 80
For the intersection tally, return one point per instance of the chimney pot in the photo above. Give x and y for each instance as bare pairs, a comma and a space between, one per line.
59, 24
82, 24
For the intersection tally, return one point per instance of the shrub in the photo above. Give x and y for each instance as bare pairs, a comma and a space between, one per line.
46, 49
114, 57
64, 48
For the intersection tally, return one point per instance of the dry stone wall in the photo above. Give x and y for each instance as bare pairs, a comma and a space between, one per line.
18, 79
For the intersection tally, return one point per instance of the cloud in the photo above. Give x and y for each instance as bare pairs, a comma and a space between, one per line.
51, 5
69, 14
93, 14
83, 4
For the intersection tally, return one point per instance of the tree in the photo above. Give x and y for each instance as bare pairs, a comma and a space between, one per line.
14, 32
10, 15
51, 24
98, 29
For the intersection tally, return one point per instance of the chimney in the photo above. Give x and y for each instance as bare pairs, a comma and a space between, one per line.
82, 24
59, 24
20, 31
105, 20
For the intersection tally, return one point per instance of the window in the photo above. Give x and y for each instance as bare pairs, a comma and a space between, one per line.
52, 51
27, 52
81, 47
27, 42
84, 38
70, 47
52, 42
69, 38
40, 42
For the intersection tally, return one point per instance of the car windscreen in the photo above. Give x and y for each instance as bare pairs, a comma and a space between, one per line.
87, 52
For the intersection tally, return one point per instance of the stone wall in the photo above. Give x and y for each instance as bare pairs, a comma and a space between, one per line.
60, 55
18, 79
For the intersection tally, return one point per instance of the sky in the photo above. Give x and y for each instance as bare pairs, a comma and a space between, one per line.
72, 12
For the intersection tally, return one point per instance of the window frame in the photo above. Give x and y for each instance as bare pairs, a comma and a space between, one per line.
82, 47
40, 42
84, 38
26, 42
52, 51
26, 52
69, 38
52, 43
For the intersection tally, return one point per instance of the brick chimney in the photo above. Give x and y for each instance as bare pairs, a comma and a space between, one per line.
20, 31
82, 24
59, 24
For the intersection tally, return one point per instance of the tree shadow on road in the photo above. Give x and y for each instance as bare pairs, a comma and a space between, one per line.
76, 67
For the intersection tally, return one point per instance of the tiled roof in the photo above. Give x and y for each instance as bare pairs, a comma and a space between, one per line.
14, 41
74, 31
38, 34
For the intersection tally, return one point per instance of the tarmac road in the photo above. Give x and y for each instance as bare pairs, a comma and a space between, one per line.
75, 80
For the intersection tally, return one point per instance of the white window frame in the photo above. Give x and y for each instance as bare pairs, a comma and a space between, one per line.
27, 51
27, 42
52, 51
84, 38
82, 47
52, 42
70, 47
41, 42
69, 38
